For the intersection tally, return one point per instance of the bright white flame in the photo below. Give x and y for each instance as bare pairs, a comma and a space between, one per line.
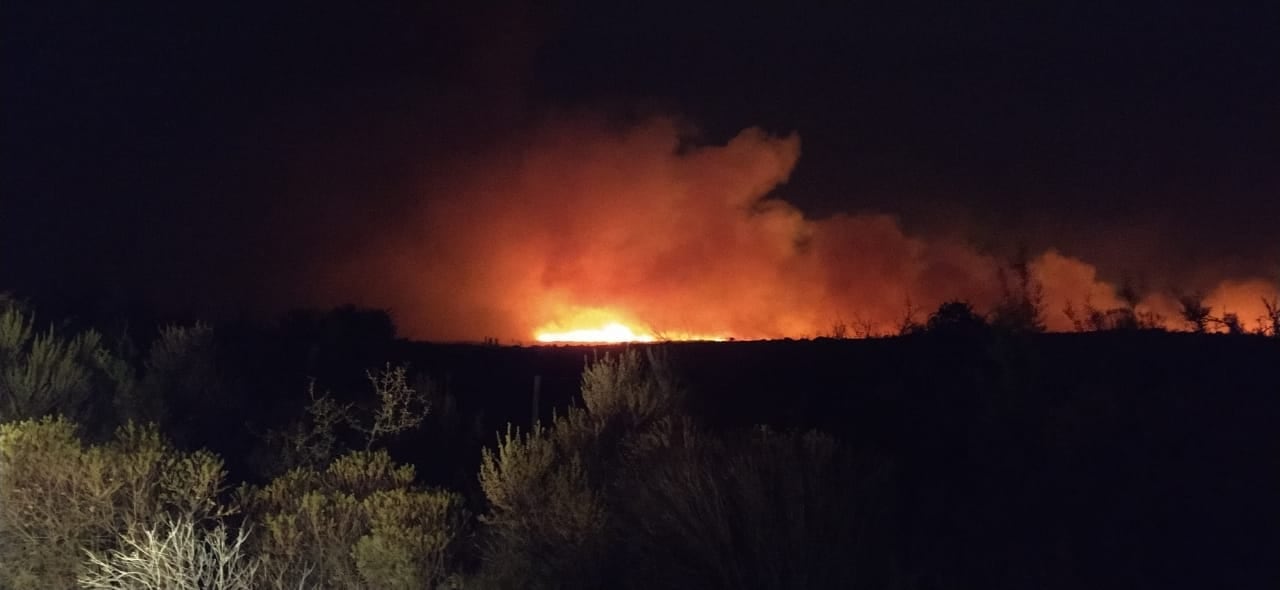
611, 332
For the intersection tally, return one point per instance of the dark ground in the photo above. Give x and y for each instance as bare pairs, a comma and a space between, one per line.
1139, 459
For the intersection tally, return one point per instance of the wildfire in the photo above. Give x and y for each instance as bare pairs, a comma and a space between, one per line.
612, 332
596, 326
587, 231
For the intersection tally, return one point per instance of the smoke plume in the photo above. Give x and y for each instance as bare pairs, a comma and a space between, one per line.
584, 221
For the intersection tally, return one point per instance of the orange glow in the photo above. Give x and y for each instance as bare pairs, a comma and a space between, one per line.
590, 326
579, 230
612, 332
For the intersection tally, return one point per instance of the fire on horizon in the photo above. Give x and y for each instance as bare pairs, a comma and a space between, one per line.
585, 231
600, 177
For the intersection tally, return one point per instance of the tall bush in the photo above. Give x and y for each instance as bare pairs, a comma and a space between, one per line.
629, 492
546, 519
548, 489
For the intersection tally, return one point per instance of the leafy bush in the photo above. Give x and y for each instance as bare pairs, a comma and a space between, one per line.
59, 497
359, 523
640, 388
548, 489
42, 373
546, 521
173, 555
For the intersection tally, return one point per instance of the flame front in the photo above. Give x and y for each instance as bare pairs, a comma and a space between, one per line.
601, 326
611, 332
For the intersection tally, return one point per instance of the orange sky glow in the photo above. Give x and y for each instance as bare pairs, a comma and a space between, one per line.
588, 231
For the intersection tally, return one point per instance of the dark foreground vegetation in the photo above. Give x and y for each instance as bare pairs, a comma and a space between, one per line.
322, 452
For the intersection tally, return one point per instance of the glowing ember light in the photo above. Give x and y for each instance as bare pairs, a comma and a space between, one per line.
612, 332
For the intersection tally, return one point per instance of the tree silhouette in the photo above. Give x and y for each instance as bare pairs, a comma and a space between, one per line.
1021, 305
1193, 310
955, 317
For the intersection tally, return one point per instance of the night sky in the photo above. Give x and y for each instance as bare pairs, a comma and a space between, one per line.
215, 156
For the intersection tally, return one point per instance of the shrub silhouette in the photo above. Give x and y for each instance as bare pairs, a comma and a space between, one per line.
1116, 319
181, 377
1230, 322
330, 342
629, 492
43, 373
756, 510
313, 441
955, 318
1271, 321
1194, 312
1021, 304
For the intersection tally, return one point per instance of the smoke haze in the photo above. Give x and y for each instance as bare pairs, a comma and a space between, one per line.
584, 220
493, 169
